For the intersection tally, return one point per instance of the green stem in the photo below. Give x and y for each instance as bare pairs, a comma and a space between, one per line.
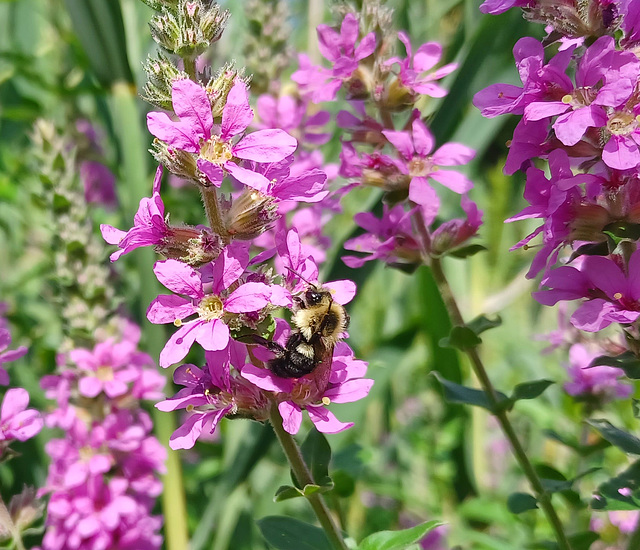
303, 477
212, 211
521, 456
7, 521
190, 67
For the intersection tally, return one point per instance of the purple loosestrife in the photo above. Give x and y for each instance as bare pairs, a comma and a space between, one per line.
17, 423
215, 147
8, 355
103, 478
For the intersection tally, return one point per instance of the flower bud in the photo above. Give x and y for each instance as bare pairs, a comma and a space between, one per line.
178, 162
192, 246
250, 215
218, 87
161, 74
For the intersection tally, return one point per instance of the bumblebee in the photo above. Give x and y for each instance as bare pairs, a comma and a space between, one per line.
319, 323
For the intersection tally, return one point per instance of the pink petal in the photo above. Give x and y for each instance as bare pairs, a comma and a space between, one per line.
176, 134
570, 127
592, 316
176, 349
110, 234
265, 146
427, 56
237, 114
401, 141
328, 42
212, 335
453, 154
15, 401
342, 291
325, 421
229, 266
422, 138
266, 380
538, 110
291, 416
214, 173
366, 47
248, 177
185, 436
89, 386
350, 391
191, 104
248, 297
455, 181
179, 278
621, 153
167, 308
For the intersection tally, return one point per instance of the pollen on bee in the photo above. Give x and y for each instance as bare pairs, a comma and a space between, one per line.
178, 322
326, 401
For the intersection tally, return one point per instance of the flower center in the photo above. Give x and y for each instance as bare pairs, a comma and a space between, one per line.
216, 151
420, 167
621, 124
104, 373
210, 307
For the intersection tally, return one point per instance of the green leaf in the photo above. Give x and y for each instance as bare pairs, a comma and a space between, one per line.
316, 452
621, 439
578, 541
609, 495
397, 540
286, 492
461, 338
635, 405
344, 484
482, 323
573, 443
530, 390
626, 361
521, 502
286, 533
455, 393
466, 251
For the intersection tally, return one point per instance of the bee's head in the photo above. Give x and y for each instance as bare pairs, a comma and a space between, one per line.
314, 296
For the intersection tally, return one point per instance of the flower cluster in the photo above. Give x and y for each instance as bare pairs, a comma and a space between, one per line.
579, 112
103, 479
403, 163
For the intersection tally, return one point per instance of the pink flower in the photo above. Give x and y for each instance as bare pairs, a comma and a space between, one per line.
9, 355
110, 367
149, 225
196, 133
389, 238
613, 296
494, 7
208, 328
421, 165
599, 381
345, 385
99, 184
16, 421
211, 393
340, 49
414, 66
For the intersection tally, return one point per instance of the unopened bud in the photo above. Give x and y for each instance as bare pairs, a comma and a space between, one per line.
250, 215
219, 86
178, 162
161, 74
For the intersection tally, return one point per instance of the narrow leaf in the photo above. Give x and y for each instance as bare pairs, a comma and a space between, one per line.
461, 338
626, 361
530, 390
521, 502
621, 439
455, 393
397, 540
284, 533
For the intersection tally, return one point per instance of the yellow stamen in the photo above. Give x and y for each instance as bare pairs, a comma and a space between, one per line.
567, 99
326, 401
617, 295
178, 322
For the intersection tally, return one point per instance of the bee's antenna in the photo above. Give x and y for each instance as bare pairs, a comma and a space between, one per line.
301, 277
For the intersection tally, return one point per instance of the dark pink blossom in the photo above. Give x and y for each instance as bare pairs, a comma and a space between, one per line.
613, 296
99, 184
389, 239
414, 66
216, 147
8, 355
345, 385
494, 7
149, 225
420, 165
340, 49
210, 306
16, 421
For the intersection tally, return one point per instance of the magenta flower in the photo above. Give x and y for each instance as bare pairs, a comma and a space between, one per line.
9, 355
453, 233
599, 381
340, 49
16, 421
420, 165
494, 7
613, 296
211, 393
196, 133
99, 184
414, 66
110, 368
389, 239
345, 385
211, 308
149, 225
290, 114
